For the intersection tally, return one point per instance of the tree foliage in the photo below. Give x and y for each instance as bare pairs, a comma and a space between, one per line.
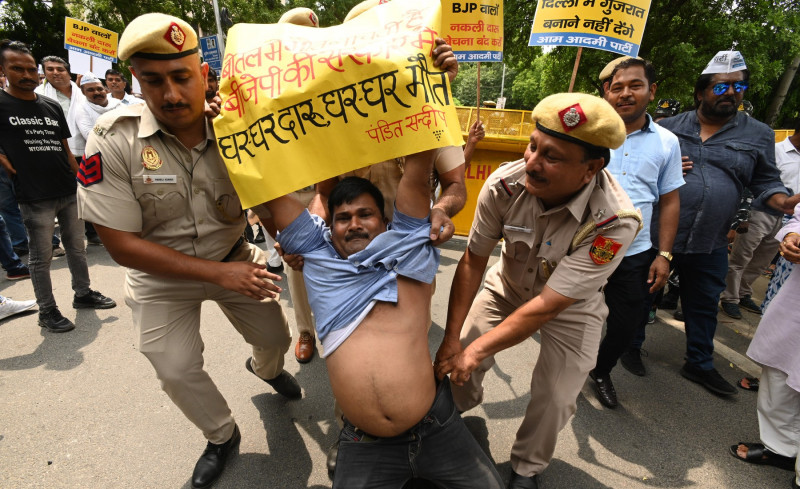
37, 23
680, 37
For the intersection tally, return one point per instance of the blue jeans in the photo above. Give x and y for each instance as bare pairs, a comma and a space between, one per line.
39, 219
702, 282
8, 258
9, 210
439, 448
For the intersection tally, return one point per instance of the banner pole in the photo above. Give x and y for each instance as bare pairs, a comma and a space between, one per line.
575, 69
478, 96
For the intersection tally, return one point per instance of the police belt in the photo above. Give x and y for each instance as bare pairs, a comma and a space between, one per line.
239, 242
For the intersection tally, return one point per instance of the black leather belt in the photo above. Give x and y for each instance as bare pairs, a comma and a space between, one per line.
236, 246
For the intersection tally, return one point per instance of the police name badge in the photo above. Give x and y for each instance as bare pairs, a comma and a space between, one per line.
149, 179
150, 159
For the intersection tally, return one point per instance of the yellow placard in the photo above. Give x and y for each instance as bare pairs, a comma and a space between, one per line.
611, 25
302, 104
474, 29
90, 39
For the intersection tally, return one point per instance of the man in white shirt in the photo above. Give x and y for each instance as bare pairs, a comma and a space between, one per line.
96, 104
116, 85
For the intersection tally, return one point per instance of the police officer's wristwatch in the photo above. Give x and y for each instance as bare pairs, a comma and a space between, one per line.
666, 254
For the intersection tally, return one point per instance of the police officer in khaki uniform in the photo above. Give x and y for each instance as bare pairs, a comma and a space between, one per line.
566, 224
159, 194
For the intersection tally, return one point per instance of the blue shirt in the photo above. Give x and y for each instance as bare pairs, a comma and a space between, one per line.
647, 165
741, 154
340, 288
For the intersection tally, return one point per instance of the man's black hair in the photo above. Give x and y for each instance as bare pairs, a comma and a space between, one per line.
703, 81
112, 71
649, 71
352, 188
213, 72
797, 125
16, 46
54, 59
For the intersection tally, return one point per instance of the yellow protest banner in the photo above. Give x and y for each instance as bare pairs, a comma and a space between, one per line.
611, 25
302, 104
474, 29
90, 39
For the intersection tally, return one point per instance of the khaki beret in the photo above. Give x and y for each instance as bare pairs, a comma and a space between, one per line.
610, 67
157, 36
300, 16
363, 7
580, 118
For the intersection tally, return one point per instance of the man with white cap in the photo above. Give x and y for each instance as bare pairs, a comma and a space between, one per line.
87, 112
729, 152
158, 192
566, 224
96, 104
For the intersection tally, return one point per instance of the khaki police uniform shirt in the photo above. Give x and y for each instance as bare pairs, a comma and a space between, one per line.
386, 174
187, 204
536, 249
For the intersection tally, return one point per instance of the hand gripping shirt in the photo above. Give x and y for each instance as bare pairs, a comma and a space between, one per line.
341, 289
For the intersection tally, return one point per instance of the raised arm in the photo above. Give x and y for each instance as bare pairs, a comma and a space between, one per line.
414, 190
281, 211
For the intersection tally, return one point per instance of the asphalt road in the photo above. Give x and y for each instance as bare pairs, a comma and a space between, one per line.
84, 409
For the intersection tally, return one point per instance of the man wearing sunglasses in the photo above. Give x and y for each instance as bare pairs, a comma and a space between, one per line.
724, 152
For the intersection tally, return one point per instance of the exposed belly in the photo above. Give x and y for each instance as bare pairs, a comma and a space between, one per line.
382, 374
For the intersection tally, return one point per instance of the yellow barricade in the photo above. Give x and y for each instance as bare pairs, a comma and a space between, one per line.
507, 135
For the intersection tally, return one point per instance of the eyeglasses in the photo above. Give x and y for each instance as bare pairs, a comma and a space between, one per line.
721, 88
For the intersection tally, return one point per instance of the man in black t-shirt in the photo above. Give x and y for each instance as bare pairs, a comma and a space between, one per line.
33, 139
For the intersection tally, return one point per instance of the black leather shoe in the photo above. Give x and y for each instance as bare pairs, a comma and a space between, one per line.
330, 461
519, 482
212, 462
605, 390
710, 379
284, 384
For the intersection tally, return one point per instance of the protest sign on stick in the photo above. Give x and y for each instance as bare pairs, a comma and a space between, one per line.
302, 104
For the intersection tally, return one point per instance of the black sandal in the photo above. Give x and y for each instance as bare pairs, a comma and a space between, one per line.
751, 384
758, 454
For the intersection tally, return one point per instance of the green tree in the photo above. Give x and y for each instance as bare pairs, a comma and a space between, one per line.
37, 23
680, 38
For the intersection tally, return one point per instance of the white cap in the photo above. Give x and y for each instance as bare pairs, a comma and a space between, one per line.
89, 77
725, 62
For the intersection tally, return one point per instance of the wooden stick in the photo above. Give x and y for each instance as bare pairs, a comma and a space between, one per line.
575, 69
478, 95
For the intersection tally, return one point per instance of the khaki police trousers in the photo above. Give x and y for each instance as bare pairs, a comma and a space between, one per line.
166, 315
569, 345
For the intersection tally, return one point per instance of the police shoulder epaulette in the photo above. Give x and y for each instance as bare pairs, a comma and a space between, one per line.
591, 226
107, 120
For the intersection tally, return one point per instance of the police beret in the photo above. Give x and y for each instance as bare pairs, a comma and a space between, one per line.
157, 36
580, 118
300, 16
363, 7
610, 67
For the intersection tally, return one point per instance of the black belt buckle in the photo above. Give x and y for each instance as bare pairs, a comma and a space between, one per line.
236, 246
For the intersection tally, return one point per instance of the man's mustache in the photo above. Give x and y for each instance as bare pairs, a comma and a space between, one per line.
537, 176
179, 105
356, 235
